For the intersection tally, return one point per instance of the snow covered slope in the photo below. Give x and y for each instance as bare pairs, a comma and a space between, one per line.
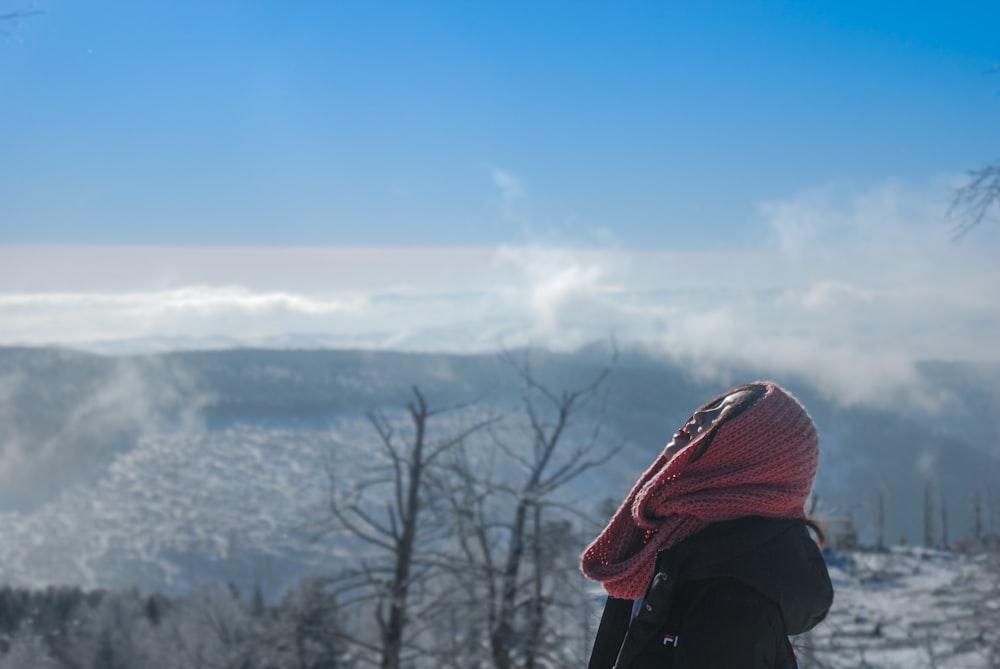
909, 607
171, 471
183, 510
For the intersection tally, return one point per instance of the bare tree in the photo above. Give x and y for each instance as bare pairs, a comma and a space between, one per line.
514, 561
14, 18
977, 515
27, 650
943, 509
308, 632
394, 531
928, 512
879, 512
974, 202
19, 14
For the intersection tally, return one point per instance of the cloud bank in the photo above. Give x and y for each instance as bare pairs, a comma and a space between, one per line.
849, 288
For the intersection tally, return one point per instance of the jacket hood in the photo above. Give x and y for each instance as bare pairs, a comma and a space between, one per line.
775, 557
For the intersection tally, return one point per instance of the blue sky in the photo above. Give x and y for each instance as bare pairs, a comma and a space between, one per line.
760, 182
348, 123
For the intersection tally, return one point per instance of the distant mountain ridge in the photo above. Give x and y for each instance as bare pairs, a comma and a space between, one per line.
171, 469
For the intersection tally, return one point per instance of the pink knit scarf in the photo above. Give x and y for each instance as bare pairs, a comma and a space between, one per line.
760, 463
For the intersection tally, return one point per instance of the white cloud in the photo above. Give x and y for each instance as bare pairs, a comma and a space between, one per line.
511, 187
133, 399
859, 286
70, 317
839, 215
558, 284
189, 300
830, 294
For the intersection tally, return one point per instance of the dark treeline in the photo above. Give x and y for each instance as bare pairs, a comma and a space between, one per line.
73, 629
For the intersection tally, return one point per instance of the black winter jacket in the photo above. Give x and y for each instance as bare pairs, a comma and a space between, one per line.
728, 597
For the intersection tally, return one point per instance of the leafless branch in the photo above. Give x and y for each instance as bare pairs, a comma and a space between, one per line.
18, 14
973, 203
344, 517
454, 440
14, 18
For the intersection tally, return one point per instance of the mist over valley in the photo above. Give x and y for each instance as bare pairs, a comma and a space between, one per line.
171, 471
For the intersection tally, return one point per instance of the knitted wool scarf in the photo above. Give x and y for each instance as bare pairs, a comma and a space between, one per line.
761, 462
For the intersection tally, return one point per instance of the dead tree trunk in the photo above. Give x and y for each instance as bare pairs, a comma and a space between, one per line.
536, 605
880, 519
928, 512
396, 531
977, 515
545, 473
408, 510
945, 541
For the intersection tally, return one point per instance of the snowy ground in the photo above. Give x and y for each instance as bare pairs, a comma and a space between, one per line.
179, 511
909, 607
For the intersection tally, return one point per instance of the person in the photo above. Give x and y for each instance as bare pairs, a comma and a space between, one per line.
710, 563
